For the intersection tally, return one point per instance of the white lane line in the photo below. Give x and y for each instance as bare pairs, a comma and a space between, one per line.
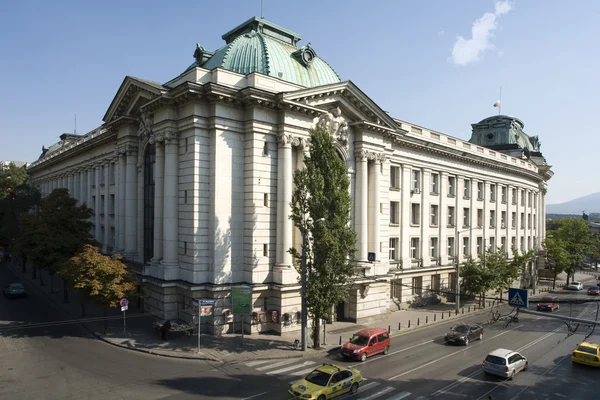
541, 376
303, 372
293, 367
278, 364
369, 385
448, 355
400, 396
255, 396
255, 363
421, 398
377, 394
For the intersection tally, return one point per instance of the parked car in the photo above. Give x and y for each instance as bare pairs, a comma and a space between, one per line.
464, 333
366, 343
548, 303
593, 291
504, 363
575, 285
587, 354
15, 290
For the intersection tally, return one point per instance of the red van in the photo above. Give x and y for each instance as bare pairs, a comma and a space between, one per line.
366, 343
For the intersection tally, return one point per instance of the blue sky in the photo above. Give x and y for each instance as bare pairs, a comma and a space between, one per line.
435, 63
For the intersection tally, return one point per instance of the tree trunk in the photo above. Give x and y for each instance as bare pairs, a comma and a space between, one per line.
34, 273
554, 280
500, 291
316, 333
106, 328
82, 309
65, 291
42, 283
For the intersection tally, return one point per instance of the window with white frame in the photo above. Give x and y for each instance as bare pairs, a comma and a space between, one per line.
522, 220
466, 246
535, 200
503, 219
479, 190
529, 221
523, 197
534, 221
394, 212
492, 192
514, 196
433, 245
466, 217
416, 179
528, 243
451, 215
452, 281
467, 189
513, 243
417, 285
529, 199
513, 220
436, 282
480, 245
415, 214
435, 183
451, 246
414, 248
493, 243
451, 186
393, 248
522, 244
479, 217
435, 217
394, 177
503, 194
503, 244
492, 218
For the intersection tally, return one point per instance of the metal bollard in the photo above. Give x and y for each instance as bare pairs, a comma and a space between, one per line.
399, 325
340, 340
469, 309
442, 315
449, 314
409, 323
462, 309
389, 328
434, 316
426, 319
418, 321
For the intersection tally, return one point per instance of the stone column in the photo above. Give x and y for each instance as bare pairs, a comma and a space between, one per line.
361, 204
82, 198
374, 200
88, 185
97, 210
171, 200
131, 202
106, 240
284, 197
121, 200
159, 192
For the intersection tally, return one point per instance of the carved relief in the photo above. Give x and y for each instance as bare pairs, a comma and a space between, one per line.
382, 157
335, 123
146, 122
361, 154
130, 149
168, 136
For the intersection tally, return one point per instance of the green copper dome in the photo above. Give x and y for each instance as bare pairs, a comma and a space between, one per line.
261, 46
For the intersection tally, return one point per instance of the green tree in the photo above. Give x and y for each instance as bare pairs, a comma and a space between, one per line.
578, 242
55, 234
476, 278
10, 178
557, 257
16, 198
322, 192
103, 279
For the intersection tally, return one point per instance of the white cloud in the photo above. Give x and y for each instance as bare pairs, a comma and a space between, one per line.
467, 51
441, 33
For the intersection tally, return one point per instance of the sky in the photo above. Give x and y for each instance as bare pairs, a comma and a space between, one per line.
436, 63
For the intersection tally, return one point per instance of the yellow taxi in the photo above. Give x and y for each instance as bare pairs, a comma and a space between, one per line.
326, 382
587, 353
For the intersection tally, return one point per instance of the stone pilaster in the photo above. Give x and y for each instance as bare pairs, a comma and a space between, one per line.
361, 204
159, 184
171, 206
131, 190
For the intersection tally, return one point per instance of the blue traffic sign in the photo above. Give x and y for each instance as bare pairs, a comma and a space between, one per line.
124, 302
518, 297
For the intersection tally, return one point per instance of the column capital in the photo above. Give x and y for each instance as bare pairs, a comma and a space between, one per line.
129, 149
168, 136
361, 155
285, 139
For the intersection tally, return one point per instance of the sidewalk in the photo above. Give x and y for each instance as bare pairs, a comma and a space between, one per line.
140, 336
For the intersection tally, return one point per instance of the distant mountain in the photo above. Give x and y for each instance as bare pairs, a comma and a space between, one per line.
589, 204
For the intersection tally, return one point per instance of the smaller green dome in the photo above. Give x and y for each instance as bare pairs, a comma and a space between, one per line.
261, 46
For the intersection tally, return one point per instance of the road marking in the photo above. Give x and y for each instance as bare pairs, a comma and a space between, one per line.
278, 364
377, 394
255, 396
448, 355
369, 385
549, 370
293, 367
255, 363
297, 373
400, 396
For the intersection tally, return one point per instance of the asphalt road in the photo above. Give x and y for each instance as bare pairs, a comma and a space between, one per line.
63, 361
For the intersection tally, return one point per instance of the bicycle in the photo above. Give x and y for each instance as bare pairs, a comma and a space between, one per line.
494, 317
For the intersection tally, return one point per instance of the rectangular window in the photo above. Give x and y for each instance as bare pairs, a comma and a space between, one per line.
393, 253
112, 237
534, 221
480, 246
452, 281
480, 217
102, 174
434, 215
535, 200
101, 238
466, 246
266, 148
513, 243
436, 282
522, 244
185, 197
394, 212
466, 217
112, 173
522, 220
433, 244
111, 205
451, 246
102, 204
451, 212
417, 285
265, 250
514, 196
451, 186
529, 199
503, 219
479, 190
414, 248
415, 215
435, 183
266, 199
185, 248
504, 196
492, 218
528, 243
492, 192
467, 189
513, 220
523, 197
394, 177
503, 244
416, 180
493, 244
528, 221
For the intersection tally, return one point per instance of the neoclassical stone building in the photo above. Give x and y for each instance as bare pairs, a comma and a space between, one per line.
191, 180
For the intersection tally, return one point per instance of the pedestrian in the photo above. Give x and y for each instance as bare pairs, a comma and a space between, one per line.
165, 329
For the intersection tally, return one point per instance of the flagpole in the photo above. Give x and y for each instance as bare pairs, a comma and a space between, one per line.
500, 105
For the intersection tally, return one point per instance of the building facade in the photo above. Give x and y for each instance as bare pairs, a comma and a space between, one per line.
192, 181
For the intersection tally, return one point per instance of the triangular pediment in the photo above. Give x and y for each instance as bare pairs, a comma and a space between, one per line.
355, 102
132, 94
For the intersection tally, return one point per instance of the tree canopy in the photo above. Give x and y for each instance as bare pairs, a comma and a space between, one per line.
322, 194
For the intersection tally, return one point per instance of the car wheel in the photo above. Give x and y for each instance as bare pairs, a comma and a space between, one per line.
512, 375
481, 336
322, 397
466, 341
354, 388
386, 350
526, 365
363, 357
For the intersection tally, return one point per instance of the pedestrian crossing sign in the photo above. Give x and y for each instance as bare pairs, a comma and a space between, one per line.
518, 297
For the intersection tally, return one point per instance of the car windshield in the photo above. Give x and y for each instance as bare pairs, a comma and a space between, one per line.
547, 300
587, 349
495, 360
319, 378
16, 286
576, 283
461, 328
359, 340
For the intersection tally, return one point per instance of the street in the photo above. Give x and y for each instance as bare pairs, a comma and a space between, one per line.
63, 361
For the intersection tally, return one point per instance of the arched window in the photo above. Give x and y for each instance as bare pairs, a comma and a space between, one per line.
149, 165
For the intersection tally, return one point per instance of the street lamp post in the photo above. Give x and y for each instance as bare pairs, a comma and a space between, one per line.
303, 273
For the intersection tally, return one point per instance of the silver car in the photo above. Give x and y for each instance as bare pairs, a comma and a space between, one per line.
15, 290
504, 363
575, 285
